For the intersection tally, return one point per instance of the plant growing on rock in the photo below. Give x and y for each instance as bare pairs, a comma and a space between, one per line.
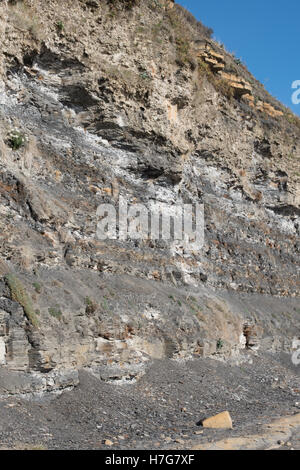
24, 18
145, 75
60, 26
55, 312
38, 287
238, 61
201, 30
16, 139
91, 306
181, 38
19, 294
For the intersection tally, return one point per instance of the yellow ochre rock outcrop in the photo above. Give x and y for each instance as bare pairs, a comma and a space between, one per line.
262, 106
242, 88
209, 56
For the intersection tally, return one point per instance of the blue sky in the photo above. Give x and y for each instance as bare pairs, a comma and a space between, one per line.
265, 34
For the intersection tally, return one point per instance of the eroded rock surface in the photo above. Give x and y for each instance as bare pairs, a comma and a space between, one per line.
107, 106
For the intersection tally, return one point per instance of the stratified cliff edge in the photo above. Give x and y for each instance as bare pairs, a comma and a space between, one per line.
134, 99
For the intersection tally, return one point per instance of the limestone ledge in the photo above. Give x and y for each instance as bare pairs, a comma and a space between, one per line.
242, 88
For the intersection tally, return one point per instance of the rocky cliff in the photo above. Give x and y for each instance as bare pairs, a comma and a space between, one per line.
134, 99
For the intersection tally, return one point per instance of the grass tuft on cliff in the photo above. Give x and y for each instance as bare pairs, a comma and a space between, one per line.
19, 294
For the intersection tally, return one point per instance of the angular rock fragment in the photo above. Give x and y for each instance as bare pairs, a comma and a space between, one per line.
220, 421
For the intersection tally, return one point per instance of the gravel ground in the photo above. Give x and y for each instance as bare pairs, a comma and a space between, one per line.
161, 410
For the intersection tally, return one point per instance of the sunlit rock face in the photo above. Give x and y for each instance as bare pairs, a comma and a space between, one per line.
101, 108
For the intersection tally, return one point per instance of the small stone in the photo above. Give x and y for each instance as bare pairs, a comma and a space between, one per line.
179, 441
168, 439
198, 432
219, 421
107, 442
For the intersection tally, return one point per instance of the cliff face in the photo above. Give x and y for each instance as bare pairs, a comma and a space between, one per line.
101, 100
